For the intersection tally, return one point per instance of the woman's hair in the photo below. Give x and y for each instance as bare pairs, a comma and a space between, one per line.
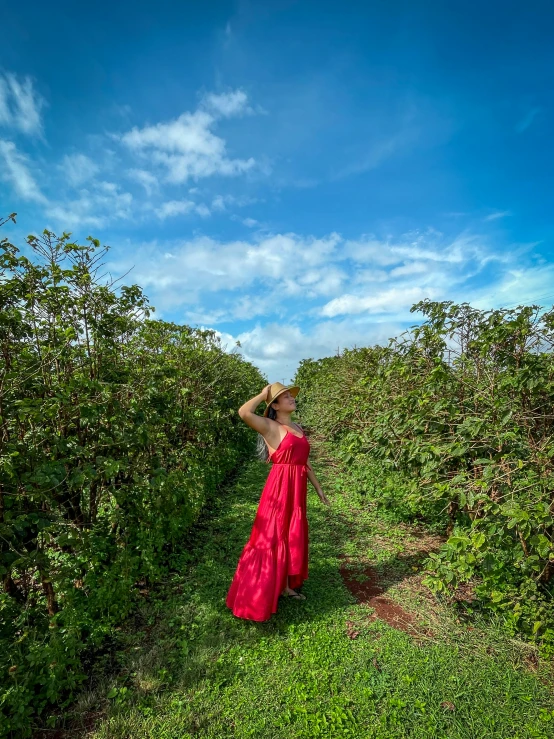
262, 452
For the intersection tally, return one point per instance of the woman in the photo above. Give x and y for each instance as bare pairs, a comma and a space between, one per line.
274, 561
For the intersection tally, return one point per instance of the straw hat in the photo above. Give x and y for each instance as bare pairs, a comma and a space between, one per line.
276, 389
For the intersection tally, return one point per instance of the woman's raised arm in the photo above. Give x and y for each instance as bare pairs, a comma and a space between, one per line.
261, 424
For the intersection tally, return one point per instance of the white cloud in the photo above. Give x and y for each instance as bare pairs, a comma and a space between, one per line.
144, 178
181, 207
203, 210
200, 268
186, 148
347, 292
223, 202
392, 300
175, 208
518, 285
20, 104
17, 173
243, 308
174, 151
226, 104
428, 246
277, 348
412, 268
218, 203
5, 113
78, 169
96, 206
369, 249
327, 276
365, 276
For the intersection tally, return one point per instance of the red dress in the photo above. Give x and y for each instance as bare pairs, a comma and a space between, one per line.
278, 544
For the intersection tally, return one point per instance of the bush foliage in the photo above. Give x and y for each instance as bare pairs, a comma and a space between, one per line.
452, 423
115, 429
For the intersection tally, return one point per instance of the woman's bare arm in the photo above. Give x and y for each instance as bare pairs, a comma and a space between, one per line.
313, 479
268, 428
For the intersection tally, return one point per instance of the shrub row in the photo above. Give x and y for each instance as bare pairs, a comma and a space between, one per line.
452, 423
114, 431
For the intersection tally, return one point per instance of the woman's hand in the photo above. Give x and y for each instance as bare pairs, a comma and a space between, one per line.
323, 497
265, 392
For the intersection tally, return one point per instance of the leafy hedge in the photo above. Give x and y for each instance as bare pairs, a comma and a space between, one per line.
453, 423
115, 429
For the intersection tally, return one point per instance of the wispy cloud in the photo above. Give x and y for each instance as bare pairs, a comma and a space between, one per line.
20, 104
527, 120
223, 203
144, 178
393, 131
16, 171
518, 285
378, 152
170, 152
498, 214
78, 168
220, 202
96, 206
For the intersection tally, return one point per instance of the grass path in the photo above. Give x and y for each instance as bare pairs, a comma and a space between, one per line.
186, 667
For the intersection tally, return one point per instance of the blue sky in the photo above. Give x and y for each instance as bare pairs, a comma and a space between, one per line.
294, 175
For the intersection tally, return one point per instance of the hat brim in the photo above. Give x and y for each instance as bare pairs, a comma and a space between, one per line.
294, 390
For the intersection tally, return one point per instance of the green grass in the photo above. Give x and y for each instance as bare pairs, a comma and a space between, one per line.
184, 666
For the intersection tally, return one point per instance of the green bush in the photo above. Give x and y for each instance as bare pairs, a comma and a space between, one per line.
453, 423
115, 431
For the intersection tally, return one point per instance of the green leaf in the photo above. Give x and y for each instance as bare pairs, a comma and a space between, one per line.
479, 539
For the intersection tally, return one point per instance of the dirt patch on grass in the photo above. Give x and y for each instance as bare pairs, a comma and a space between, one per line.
363, 583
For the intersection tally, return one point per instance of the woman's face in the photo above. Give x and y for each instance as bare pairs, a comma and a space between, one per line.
286, 402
